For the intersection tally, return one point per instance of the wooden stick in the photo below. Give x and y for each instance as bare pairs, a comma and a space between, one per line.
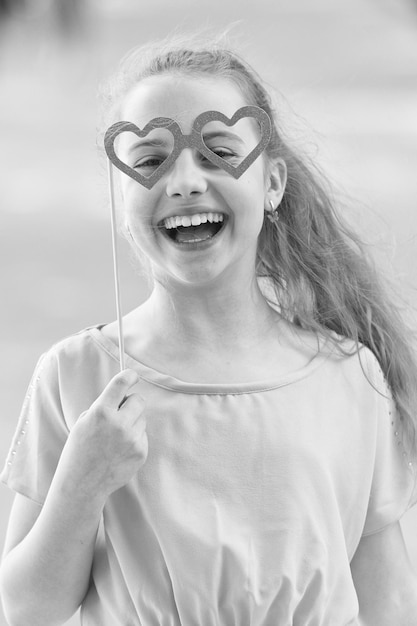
116, 268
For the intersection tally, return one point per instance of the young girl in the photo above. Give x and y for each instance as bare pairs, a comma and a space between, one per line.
251, 464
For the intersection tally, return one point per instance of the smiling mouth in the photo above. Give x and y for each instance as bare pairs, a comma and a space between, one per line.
192, 229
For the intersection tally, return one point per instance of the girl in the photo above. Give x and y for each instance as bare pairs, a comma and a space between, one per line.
251, 464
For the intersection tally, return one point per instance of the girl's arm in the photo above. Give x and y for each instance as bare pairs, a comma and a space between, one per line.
385, 582
46, 569
47, 558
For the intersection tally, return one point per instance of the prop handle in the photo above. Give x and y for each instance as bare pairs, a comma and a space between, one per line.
116, 267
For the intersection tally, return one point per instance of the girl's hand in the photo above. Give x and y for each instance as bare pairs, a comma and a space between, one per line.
108, 444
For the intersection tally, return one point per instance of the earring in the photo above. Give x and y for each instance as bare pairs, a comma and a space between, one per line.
273, 215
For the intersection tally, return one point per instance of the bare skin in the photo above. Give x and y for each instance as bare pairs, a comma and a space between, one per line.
384, 580
203, 344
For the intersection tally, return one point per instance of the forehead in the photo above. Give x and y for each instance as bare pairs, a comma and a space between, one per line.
181, 98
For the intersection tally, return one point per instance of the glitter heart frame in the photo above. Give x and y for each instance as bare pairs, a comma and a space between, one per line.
194, 140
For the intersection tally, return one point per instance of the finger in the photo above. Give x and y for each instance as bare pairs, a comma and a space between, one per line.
132, 408
116, 391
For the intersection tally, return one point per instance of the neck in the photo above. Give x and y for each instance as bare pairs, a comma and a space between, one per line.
219, 317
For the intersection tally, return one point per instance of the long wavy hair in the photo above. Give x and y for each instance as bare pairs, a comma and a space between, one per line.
323, 277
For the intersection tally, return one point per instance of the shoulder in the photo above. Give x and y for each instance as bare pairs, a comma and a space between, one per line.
76, 367
354, 365
76, 348
341, 367
364, 365
77, 359
338, 351
72, 348
349, 352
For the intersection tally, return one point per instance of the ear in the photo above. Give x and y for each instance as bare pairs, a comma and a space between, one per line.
276, 180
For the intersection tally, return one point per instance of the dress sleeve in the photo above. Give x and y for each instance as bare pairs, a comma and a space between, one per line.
40, 434
393, 489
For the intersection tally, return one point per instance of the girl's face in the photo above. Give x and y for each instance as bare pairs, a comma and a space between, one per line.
197, 224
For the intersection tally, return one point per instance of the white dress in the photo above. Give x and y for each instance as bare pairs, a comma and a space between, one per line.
253, 498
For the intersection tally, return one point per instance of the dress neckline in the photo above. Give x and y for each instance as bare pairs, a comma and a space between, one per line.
168, 381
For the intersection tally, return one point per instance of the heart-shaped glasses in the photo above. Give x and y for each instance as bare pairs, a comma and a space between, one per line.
195, 140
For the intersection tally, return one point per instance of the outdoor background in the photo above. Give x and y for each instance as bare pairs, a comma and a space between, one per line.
347, 70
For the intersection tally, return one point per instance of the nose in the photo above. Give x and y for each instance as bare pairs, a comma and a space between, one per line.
186, 176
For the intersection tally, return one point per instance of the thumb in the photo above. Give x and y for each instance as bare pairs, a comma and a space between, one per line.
115, 392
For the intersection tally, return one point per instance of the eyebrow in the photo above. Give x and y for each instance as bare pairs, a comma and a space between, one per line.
223, 133
158, 143
154, 143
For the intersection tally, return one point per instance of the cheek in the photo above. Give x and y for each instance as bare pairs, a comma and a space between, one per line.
253, 199
252, 193
138, 206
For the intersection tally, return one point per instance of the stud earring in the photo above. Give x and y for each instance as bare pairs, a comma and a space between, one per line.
272, 215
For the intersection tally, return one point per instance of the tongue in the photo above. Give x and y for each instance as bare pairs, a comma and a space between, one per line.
196, 233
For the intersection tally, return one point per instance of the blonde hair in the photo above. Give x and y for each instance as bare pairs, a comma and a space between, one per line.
324, 279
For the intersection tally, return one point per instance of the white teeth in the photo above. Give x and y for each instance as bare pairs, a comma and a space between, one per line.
192, 220
186, 221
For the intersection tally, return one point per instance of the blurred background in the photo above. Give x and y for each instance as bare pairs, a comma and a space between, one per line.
347, 72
